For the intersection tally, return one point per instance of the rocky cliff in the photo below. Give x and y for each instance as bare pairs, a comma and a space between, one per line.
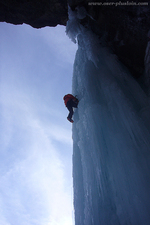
125, 24
37, 13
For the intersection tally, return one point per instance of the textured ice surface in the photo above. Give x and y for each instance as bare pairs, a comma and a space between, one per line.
111, 139
111, 134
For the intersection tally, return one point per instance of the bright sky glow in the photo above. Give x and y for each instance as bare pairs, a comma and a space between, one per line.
35, 140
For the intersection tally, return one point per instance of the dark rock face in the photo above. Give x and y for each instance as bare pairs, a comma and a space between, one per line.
126, 30
125, 27
37, 13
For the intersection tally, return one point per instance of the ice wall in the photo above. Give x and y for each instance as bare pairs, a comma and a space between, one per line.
111, 140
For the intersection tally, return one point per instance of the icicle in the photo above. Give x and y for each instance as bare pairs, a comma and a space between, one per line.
73, 25
76, 31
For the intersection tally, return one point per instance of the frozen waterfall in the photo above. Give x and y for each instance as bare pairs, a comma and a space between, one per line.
111, 138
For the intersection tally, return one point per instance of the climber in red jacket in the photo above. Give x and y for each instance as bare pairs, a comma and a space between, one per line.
70, 102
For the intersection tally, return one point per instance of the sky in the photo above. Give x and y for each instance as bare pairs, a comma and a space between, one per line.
36, 67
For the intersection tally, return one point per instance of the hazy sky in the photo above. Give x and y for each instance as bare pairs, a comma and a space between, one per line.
36, 67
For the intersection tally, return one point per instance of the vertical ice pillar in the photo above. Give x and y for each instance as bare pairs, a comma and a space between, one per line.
111, 159
111, 138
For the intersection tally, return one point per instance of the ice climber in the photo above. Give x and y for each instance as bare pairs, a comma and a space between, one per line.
70, 102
